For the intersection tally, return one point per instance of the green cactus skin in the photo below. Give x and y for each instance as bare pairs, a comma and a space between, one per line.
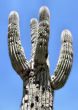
38, 85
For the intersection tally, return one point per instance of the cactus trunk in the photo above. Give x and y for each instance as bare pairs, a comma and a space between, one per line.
37, 92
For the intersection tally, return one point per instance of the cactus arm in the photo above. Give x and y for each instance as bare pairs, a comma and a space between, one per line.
41, 51
34, 35
65, 60
16, 51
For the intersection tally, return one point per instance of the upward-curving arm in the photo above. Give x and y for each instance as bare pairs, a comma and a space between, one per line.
16, 51
65, 61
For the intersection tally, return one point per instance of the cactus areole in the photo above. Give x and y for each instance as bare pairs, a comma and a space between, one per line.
38, 85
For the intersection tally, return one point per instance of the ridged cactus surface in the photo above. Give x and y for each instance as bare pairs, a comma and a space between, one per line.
38, 85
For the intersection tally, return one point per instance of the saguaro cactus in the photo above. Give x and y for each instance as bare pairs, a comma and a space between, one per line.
38, 86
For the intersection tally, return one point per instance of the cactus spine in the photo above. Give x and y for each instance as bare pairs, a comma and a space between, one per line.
38, 86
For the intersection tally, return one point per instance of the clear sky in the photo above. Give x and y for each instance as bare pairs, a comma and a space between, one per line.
64, 14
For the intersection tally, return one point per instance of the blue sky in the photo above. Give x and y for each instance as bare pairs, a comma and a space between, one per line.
64, 14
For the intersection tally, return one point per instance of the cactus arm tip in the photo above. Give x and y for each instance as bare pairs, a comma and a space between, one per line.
44, 13
13, 17
66, 36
